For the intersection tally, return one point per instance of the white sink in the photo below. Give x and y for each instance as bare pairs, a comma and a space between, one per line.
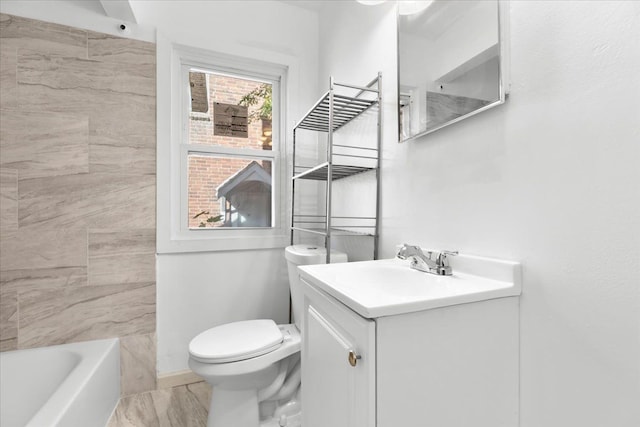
389, 287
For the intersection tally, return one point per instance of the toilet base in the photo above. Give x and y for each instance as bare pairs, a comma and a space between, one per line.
287, 414
290, 421
238, 408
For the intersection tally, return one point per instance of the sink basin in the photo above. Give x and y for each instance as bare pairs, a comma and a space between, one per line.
390, 287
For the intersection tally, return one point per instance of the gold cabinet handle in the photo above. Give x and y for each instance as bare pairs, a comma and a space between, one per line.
353, 358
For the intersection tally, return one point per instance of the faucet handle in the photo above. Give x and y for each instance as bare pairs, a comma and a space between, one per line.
441, 258
442, 262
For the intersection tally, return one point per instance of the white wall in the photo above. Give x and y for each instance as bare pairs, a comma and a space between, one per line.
356, 42
266, 30
550, 179
201, 290
84, 14
198, 291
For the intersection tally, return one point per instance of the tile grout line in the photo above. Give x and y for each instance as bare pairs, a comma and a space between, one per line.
17, 229
87, 252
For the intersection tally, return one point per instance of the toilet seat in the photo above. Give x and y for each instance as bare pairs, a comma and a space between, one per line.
289, 346
236, 341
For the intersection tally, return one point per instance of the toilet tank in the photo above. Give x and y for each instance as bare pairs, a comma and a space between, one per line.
305, 255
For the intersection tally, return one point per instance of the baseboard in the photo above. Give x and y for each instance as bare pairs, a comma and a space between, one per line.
175, 379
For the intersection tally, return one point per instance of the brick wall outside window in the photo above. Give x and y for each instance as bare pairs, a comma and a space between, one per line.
207, 173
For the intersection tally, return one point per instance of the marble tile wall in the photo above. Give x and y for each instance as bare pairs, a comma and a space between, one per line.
77, 192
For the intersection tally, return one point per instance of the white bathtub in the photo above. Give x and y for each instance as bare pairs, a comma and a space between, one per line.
68, 385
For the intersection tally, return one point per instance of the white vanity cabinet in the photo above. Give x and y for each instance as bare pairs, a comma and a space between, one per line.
338, 363
449, 365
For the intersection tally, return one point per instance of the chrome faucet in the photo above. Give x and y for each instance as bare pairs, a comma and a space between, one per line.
431, 262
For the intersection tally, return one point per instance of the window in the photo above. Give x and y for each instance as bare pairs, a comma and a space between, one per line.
227, 154
230, 156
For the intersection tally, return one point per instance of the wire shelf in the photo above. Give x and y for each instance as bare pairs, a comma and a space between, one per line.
334, 231
345, 109
342, 225
321, 172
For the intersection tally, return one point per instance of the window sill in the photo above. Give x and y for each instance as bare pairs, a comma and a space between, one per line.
191, 242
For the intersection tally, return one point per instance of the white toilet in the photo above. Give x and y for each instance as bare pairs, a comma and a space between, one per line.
253, 366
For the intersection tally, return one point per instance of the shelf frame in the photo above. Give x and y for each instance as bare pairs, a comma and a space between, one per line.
330, 113
321, 172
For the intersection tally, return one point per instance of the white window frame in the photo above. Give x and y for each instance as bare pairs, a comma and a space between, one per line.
180, 238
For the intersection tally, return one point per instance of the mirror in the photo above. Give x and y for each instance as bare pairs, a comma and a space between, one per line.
451, 56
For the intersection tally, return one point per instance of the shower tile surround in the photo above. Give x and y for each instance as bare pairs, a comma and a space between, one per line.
77, 192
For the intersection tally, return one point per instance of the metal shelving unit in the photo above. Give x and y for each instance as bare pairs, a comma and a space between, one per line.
328, 115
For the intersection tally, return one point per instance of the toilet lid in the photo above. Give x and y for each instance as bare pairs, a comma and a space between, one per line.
236, 341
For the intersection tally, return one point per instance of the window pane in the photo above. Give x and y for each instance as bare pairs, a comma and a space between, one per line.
229, 192
229, 111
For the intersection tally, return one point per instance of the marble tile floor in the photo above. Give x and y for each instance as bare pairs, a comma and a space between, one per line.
182, 406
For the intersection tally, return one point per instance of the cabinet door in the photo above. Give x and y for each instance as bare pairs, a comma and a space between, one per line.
337, 390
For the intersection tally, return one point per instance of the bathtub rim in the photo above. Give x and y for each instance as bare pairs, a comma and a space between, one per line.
92, 356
